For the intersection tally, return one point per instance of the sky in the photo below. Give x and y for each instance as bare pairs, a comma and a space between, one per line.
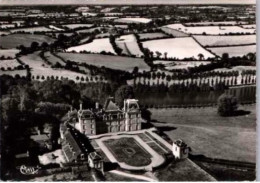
35, 2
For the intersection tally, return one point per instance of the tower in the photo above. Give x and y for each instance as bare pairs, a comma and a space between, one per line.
180, 149
132, 115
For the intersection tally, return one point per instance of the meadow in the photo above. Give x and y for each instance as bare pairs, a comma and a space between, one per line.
10, 63
233, 51
8, 52
113, 62
177, 48
155, 35
32, 29
14, 40
97, 46
226, 40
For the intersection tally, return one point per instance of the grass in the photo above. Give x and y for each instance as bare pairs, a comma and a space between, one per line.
74, 26
8, 52
32, 29
145, 36
177, 47
14, 40
13, 73
113, 62
12, 63
231, 138
226, 40
234, 51
174, 32
133, 20
125, 149
53, 59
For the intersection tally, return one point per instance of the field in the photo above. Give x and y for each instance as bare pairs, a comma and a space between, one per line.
251, 26
75, 26
32, 29
129, 45
14, 72
52, 59
113, 62
174, 32
133, 20
180, 64
89, 30
145, 36
231, 138
97, 46
14, 40
6, 26
8, 52
211, 30
213, 23
226, 40
55, 28
234, 51
177, 48
9, 64
41, 68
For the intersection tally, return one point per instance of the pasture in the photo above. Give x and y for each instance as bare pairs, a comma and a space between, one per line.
155, 35
211, 30
174, 32
231, 138
133, 20
129, 45
234, 51
8, 53
113, 62
32, 29
97, 46
13, 73
179, 48
208, 41
14, 40
9, 64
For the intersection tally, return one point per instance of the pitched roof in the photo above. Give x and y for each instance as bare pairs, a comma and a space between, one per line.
42, 137
110, 105
95, 156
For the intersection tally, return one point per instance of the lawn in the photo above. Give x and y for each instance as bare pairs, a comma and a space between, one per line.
113, 62
177, 48
8, 52
211, 30
97, 46
234, 51
129, 45
126, 149
14, 40
226, 40
154, 35
231, 138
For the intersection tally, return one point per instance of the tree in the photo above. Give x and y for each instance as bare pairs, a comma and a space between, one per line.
122, 93
201, 56
227, 105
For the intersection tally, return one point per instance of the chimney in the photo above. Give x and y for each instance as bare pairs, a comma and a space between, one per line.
97, 105
70, 108
80, 106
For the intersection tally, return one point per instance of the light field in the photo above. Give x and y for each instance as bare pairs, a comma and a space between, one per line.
32, 29
177, 48
113, 62
226, 40
251, 26
169, 65
173, 32
9, 53
133, 20
75, 26
145, 36
12, 63
214, 23
129, 45
234, 51
97, 46
21, 73
211, 30
14, 40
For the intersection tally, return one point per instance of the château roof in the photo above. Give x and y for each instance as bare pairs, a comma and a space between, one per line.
110, 105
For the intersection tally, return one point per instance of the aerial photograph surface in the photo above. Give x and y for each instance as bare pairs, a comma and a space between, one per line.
128, 90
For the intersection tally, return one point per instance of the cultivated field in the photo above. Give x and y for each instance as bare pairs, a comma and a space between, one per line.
251, 26
214, 23
211, 30
97, 46
234, 51
8, 52
32, 29
9, 64
53, 59
75, 26
232, 138
155, 35
14, 40
226, 40
133, 20
13, 73
113, 62
129, 45
177, 48
89, 30
169, 65
174, 32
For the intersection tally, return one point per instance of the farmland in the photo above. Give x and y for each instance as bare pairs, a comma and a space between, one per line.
89, 30
173, 32
133, 20
252, 26
14, 40
21, 73
9, 64
129, 45
155, 35
31, 29
180, 64
234, 51
97, 46
75, 26
174, 48
211, 30
8, 53
209, 41
113, 62
214, 23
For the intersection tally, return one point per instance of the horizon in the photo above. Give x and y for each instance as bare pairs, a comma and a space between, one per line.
126, 2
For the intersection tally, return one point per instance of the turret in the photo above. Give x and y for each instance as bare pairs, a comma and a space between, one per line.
180, 149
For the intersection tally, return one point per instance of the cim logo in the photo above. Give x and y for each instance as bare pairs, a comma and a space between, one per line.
29, 170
